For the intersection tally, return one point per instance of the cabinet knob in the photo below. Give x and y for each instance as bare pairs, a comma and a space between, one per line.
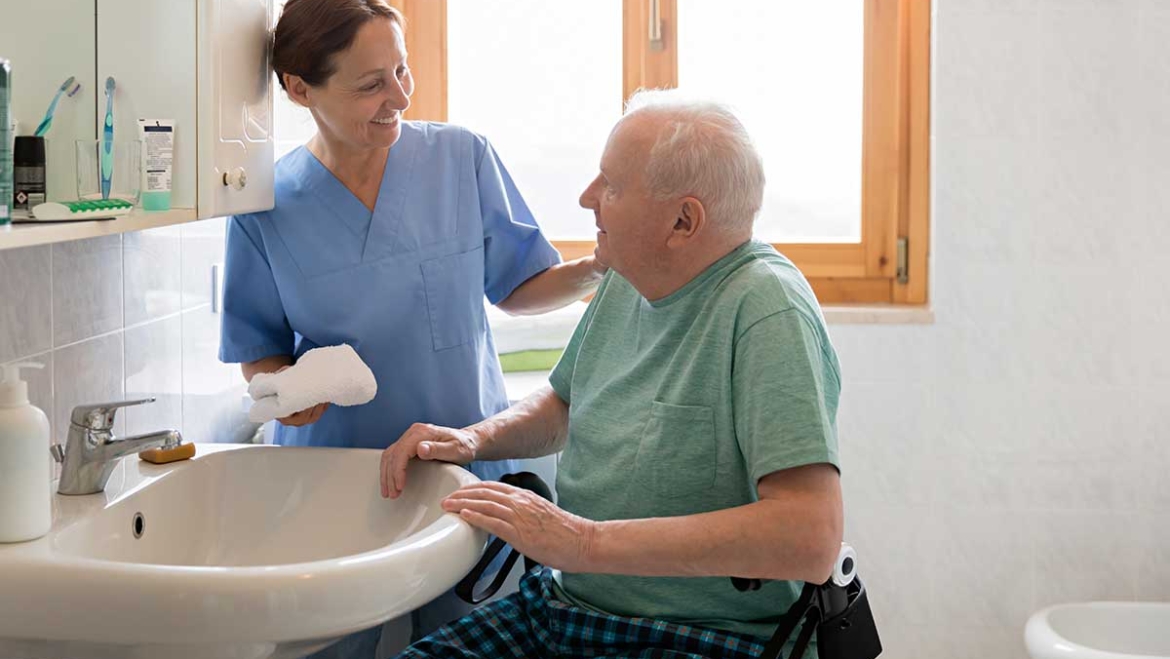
236, 178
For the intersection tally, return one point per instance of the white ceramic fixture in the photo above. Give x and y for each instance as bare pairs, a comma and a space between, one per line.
243, 552
1100, 630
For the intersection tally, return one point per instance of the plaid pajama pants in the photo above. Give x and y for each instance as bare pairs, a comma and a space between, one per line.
533, 623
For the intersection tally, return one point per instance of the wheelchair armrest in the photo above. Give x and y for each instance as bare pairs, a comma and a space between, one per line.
837, 611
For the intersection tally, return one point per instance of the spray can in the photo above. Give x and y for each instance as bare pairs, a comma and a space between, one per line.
28, 171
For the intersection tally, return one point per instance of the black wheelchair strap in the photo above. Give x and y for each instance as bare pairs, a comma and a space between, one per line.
801, 610
465, 589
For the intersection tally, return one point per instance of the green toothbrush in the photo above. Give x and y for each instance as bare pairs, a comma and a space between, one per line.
107, 151
69, 88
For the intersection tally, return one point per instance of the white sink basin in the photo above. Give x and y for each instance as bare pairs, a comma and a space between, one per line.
1100, 630
245, 551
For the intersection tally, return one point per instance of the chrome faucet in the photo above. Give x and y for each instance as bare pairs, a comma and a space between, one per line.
91, 451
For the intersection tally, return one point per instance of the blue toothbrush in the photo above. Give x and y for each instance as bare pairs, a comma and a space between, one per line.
107, 153
69, 88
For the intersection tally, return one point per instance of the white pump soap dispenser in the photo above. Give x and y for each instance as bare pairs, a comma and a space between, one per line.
25, 490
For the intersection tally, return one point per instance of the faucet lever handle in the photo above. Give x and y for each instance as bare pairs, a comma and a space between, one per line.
100, 416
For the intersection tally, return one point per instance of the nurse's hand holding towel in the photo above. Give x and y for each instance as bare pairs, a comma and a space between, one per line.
301, 418
386, 236
335, 375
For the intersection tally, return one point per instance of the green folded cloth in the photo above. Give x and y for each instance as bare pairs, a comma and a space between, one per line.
530, 360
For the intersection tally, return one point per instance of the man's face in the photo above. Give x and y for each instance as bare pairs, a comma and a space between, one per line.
632, 226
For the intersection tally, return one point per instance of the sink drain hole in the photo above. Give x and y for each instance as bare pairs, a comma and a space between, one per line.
139, 525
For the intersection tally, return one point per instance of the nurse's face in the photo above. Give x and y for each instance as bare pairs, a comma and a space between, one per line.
362, 103
632, 225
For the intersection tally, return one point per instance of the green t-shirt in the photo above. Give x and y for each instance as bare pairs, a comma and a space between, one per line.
679, 406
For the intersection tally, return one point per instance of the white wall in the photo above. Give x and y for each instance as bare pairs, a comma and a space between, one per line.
1015, 453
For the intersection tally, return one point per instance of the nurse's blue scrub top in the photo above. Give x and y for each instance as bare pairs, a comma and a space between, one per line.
404, 285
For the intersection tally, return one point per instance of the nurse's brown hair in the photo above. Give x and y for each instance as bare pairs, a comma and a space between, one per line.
310, 32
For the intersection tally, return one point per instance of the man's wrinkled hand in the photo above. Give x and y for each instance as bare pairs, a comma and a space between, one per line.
425, 442
533, 525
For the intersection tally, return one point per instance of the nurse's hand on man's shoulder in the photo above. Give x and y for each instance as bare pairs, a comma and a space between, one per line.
599, 266
425, 442
305, 417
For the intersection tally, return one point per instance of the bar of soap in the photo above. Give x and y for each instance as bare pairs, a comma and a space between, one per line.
164, 455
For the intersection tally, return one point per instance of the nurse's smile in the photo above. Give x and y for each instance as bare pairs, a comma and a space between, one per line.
388, 122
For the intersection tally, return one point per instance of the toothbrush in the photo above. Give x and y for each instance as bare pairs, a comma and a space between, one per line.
107, 149
69, 88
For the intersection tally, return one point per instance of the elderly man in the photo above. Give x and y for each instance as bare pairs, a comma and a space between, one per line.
695, 405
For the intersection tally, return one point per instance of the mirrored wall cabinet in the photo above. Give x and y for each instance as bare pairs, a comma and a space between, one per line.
203, 64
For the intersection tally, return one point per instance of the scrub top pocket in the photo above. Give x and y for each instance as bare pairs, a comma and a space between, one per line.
676, 457
454, 289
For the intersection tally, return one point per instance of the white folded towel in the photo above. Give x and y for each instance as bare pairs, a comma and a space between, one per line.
335, 374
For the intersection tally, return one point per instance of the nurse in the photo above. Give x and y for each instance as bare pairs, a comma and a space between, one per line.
386, 235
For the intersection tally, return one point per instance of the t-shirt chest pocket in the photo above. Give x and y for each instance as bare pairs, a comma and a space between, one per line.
677, 455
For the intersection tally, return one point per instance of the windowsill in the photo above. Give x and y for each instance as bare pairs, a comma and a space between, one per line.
874, 314
521, 384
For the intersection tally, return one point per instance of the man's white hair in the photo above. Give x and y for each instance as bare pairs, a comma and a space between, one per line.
703, 151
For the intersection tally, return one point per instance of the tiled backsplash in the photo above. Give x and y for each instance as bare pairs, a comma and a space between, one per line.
121, 317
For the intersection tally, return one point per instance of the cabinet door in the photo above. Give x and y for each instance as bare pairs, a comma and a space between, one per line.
234, 101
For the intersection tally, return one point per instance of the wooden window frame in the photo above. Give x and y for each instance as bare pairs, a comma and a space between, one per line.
895, 139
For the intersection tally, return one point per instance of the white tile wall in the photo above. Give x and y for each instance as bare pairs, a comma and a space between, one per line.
1093, 555
87, 289
122, 317
202, 247
87, 372
154, 369
212, 391
26, 311
1153, 579
152, 278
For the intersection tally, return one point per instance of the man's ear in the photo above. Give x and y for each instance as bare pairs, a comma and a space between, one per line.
689, 221
298, 89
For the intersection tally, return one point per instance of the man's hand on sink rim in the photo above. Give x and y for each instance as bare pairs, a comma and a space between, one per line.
425, 442
533, 525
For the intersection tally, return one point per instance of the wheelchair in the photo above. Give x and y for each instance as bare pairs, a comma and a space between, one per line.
837, 611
